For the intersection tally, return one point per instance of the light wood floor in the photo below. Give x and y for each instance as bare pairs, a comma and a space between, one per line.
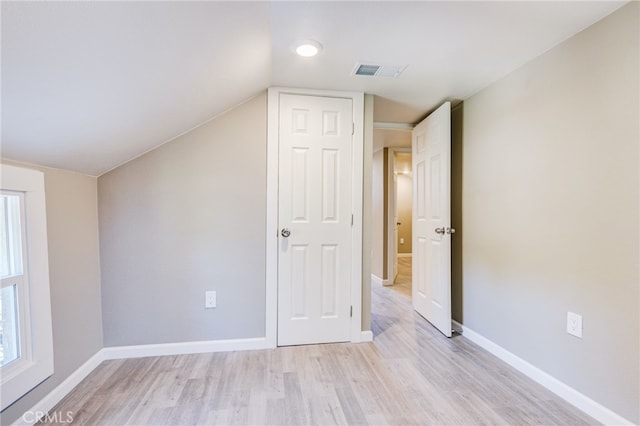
409, 375
402, 283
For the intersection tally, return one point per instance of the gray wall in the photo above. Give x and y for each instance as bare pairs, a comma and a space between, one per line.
185, 218
74, 278
550, 211
367, 213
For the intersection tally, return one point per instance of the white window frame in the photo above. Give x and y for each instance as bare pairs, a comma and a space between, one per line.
35, 363
19, 279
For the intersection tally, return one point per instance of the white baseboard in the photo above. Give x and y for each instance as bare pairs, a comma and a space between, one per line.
47, 403
367, 336
377, 280
405, 254
572, 396
183, 348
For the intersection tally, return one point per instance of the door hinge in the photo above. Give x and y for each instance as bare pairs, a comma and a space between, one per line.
351, 219
351, 312
353, 129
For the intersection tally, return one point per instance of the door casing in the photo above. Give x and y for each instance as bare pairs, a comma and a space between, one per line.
272, 231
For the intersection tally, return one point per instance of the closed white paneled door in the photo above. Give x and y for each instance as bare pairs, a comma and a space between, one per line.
432, 232
315, 219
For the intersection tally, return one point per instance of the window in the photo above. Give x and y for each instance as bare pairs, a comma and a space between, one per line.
26, 344
11, 273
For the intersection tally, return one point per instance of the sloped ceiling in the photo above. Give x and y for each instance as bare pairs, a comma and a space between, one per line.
87, 86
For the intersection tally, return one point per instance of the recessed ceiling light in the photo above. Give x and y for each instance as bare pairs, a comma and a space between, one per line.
308, 48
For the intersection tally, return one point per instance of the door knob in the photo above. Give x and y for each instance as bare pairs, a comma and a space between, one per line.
285, 232
440, 231
451, 231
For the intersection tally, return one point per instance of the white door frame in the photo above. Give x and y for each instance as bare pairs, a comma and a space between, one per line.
272, 236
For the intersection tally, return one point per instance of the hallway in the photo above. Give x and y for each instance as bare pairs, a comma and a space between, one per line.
402, 283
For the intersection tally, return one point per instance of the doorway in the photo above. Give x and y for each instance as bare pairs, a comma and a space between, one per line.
401, 206
386, 233
391, 263
402, 130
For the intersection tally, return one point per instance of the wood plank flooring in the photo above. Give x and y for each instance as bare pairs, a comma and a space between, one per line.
409, 375
402, 283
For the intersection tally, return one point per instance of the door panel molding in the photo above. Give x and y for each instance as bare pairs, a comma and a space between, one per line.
272, 231
431, 271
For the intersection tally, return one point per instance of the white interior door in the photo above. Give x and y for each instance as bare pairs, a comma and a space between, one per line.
315, 219
431, 271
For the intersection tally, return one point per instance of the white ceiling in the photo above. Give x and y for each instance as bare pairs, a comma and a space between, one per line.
389, 138
87, 86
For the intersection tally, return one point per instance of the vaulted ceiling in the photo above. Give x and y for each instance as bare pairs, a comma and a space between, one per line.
87, 86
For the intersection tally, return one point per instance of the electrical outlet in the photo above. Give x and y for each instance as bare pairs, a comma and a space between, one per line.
574, 324
401, 240
210, 299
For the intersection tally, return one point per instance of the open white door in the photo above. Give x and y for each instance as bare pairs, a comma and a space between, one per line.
431, 271
315, 219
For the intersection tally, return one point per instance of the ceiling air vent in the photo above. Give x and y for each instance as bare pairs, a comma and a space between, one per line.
369, 70
378, 70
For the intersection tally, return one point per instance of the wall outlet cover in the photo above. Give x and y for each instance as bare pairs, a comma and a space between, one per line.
574, 324
210, 299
